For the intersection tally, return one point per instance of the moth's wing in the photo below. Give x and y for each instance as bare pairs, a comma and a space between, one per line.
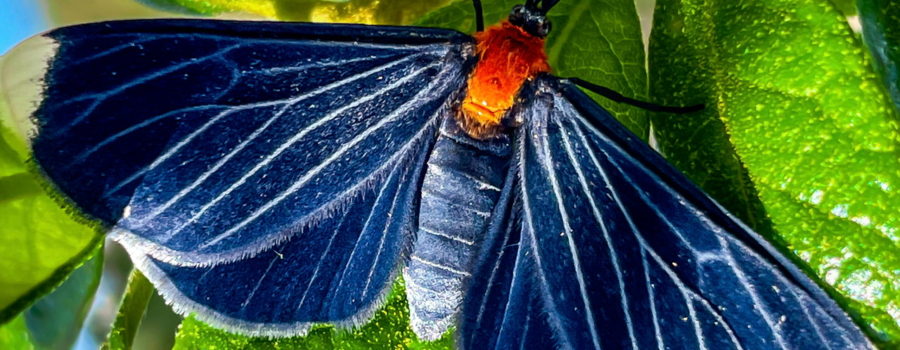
209, 141
339, 273
501, 307
624, 252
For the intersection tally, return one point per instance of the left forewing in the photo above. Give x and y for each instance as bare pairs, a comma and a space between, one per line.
210, 141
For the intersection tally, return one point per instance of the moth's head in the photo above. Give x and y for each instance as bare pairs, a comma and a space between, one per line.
532, 18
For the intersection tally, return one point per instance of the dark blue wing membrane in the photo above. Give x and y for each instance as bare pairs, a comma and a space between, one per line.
501, 309
337, 272
210, 141
625, 253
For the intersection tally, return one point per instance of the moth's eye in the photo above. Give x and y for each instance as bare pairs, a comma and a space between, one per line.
518, 12
545, 27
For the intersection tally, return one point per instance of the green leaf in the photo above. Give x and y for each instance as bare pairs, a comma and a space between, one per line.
797, 139
389, 329
846, 7
61, 13
881, 32
212, 7
355, 11
40, 242
11, 153
14, 335
595, 40
194, 7
131, 312
55, 320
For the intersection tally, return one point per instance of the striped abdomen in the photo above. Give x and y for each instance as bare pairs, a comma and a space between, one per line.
460, 189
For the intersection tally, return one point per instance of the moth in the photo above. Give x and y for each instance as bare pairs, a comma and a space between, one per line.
270, 176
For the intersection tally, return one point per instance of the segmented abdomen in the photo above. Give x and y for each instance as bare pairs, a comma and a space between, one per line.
460, 189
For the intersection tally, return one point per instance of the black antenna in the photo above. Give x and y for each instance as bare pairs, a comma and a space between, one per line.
617, 97
546, 5
479, 16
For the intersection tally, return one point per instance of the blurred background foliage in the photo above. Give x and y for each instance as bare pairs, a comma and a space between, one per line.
63, 12
847, 232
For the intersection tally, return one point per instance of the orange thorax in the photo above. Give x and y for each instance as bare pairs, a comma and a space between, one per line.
508, 56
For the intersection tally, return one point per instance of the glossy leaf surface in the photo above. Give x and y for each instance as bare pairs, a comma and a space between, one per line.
14, 335
798, 138
131, 312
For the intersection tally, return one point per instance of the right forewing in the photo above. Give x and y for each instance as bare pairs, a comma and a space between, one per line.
617, 250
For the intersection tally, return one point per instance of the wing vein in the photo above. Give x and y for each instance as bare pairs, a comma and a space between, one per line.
536, 254
314, 171
646, 248
186, 260
507, 234
187, 139
522, 345
361, 235
815, 325
660, 343
294, 187
384, 234
87, 153
614, 257
512, 285
547, 163
758, 305
763, 310
221, 162
315, 274
640, 237
100, 97
258, 283
303, 67
757, 302
109, 51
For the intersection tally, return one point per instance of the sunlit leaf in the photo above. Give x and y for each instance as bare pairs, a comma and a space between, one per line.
350, 11
212, 7
791, 97
847, 7
131, 312
14, 335
62, 13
